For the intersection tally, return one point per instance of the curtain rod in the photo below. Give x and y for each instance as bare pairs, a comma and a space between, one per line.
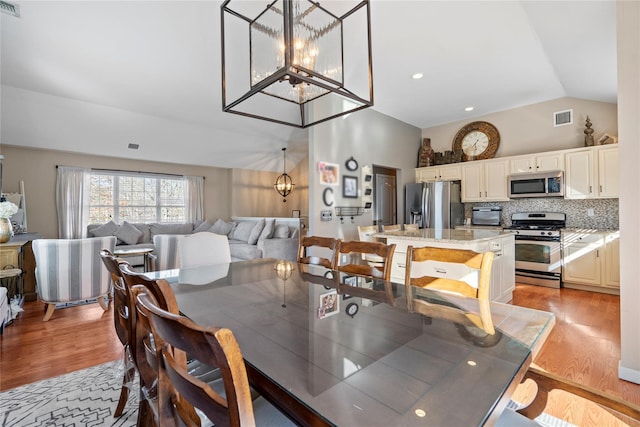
129, 171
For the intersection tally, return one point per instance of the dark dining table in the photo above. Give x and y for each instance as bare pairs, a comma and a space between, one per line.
334, 349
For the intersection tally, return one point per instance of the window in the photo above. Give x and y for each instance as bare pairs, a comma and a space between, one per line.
136, 198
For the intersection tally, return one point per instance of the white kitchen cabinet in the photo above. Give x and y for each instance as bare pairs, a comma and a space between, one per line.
591, 261
592, 173
537, 163
485, 181
612, 260
439, 173
608, 177
503, 277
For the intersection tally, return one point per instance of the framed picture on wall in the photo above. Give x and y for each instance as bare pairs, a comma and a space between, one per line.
350, 186
329, 173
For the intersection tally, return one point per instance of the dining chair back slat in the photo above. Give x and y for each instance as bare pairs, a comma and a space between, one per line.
328, 244
122, 318
385, 252
217, 347
457, 271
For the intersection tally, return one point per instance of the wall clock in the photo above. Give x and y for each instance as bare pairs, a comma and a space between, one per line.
351, 164
477, 140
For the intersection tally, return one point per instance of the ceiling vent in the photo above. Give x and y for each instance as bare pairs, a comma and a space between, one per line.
10, 8
562, 118
133, 146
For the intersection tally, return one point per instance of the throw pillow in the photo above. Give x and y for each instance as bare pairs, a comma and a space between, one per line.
242, 231
105, 230
256, 231
222, 227
268, 230
128, 233
282, 232
205, 226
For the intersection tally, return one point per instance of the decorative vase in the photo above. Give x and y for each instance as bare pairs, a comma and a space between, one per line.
6, 230
425, 154
588, 137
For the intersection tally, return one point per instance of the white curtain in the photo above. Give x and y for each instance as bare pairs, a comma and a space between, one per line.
194, 198
72, 201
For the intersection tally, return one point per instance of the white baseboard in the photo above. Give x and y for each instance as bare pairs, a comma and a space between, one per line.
628, 374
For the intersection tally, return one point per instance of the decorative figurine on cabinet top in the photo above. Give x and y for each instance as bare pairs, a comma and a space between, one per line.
588, 134
425, 154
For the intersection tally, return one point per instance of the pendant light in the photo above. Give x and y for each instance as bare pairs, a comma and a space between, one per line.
284, 184
296, 62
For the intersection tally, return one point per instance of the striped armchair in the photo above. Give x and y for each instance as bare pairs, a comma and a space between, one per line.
165, 254
70, 270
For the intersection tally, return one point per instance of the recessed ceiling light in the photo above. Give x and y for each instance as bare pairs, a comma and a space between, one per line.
417, 76
468, 109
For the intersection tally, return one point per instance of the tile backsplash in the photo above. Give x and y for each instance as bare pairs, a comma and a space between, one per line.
605, 211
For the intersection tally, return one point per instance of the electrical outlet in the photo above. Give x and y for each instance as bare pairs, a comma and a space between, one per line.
326, 215
590, 212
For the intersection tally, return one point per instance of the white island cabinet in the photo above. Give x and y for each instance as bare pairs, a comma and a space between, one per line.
499, 242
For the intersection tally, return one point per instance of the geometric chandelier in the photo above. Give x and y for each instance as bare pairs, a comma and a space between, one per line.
296, 62
284, 184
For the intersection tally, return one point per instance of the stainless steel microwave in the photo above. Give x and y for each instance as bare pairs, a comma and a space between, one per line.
543, 184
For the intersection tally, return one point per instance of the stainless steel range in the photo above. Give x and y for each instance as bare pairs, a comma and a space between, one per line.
537, 238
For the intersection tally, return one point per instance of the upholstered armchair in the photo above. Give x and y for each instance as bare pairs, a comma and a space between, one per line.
69, 270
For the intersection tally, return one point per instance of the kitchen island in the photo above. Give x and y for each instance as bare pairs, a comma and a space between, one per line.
501, 243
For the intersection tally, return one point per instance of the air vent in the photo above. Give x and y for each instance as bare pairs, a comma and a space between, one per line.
133, 146
562, 118
10, 8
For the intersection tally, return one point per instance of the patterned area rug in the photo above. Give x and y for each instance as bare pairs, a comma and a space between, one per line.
88, 398
82, 398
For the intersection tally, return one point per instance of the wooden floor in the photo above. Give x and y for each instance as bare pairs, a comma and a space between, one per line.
584, 347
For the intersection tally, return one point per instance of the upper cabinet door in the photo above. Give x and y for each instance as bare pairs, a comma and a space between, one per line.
550, 162
537, 163
495, 180
579, 175
608, 177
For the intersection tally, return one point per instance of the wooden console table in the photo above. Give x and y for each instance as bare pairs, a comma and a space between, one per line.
18, 253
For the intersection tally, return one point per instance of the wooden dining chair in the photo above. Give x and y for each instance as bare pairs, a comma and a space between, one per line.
411, 227
365, 269
122, 318
392, 227
229, 405
366, 234
457, 271
316, 243
144, 354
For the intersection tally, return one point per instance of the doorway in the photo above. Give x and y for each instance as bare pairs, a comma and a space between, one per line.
385, 196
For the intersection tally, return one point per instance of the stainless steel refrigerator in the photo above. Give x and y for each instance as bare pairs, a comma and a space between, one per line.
434, 204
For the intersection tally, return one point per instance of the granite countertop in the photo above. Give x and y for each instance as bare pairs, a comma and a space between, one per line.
589, 230
445, 235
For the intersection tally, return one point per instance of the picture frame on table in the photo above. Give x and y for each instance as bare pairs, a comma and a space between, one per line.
329, 304
350, 187
295, 213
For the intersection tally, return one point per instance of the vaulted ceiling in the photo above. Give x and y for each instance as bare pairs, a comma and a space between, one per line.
149, 72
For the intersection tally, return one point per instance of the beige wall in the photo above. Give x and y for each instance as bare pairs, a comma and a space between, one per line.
253, 193
628, 28
530, 129
37, 168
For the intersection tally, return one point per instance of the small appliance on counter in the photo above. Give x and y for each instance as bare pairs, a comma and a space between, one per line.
486, 215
